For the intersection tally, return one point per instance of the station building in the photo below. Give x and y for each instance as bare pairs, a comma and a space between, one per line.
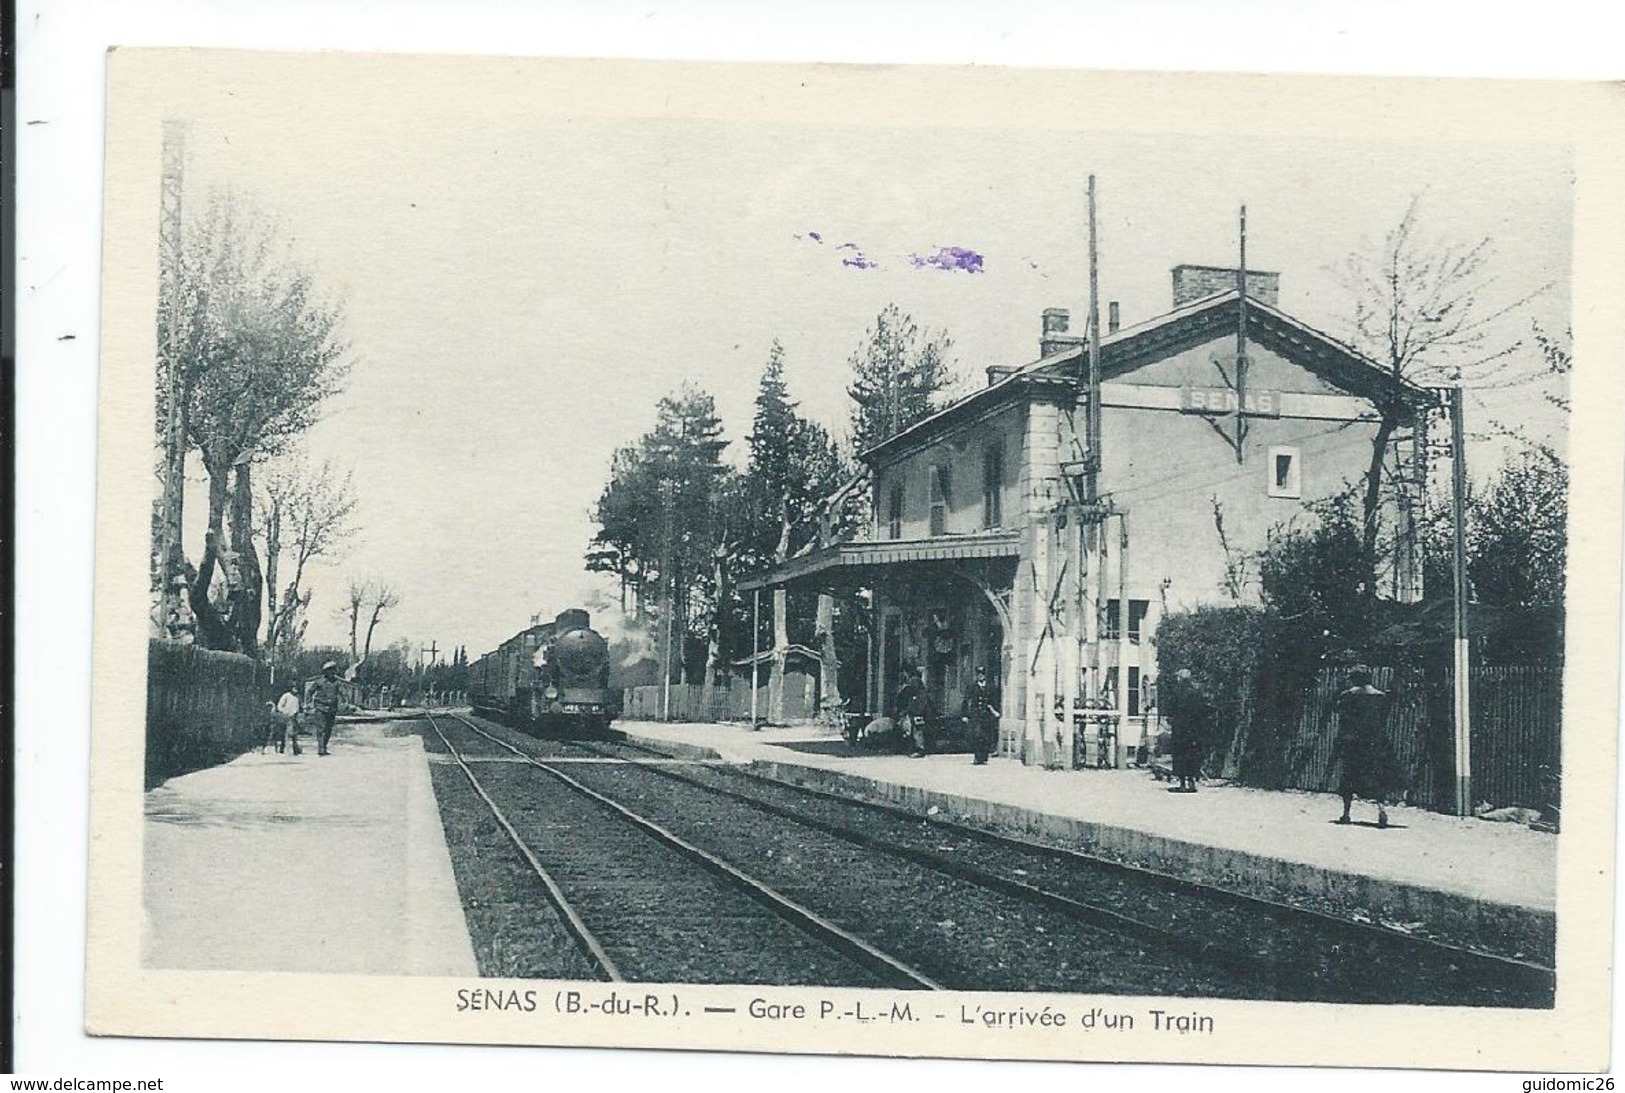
988, 549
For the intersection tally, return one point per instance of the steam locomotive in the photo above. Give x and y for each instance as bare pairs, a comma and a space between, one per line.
551, 679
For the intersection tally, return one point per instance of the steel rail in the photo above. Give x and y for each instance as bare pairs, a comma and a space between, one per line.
579, 933
838, 938
1524, 976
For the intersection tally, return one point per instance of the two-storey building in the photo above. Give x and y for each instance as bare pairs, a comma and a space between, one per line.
988, 549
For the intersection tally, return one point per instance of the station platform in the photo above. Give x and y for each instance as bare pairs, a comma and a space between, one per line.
305, 864
1491, 886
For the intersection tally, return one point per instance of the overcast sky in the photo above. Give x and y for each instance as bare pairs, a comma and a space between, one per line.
521, 289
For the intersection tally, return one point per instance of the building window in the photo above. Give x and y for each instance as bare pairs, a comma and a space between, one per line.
1286, 473
1137, 610
1136, 702
940, 487
993, 486
894, 512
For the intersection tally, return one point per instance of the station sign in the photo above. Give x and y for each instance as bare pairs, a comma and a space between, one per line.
1223, 400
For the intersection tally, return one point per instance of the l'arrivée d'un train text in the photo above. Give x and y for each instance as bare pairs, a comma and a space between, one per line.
616, 1003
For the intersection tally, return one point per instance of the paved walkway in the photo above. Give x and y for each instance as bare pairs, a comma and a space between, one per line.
1495, 863
308, 864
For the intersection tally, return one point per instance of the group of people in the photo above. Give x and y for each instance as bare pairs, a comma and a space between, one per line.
1364, 763
284, 728
918, 722
1360, 752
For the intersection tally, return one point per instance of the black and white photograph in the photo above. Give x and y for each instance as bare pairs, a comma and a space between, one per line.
859, 560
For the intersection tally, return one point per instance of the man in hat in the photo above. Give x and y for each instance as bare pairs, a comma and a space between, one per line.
324, 699
911, 710
982, 712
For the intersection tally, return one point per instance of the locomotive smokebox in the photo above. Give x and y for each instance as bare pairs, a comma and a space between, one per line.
580, 653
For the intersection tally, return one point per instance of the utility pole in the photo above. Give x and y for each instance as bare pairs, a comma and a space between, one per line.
755, 651
670, 582
1092, 525
1463, 683
1241, 343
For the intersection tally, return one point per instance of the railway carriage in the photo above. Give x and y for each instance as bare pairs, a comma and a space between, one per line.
551, 679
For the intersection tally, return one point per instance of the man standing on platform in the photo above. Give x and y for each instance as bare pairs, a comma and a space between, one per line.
982, 711
324, 697
911, 709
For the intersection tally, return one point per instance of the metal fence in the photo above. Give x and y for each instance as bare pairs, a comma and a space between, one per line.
203, 708
1516, 730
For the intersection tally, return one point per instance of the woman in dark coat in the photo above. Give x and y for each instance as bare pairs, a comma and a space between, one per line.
1190, 713
1361, 748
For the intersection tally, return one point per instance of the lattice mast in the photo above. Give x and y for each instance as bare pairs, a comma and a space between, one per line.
176, 392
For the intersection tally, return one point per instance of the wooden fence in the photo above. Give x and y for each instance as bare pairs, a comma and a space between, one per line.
1516, 733
732, 703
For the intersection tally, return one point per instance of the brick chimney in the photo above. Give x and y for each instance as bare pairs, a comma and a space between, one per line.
1053, 337
1192, 283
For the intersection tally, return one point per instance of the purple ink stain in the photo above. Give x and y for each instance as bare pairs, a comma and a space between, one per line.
815, 237
847, 246
859, 261
948, 258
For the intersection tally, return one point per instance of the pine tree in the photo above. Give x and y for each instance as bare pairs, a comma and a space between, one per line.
899, 376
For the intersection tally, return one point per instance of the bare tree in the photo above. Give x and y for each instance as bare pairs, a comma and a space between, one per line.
1425, 310
307, 514
356, 594
261, 353
384, 598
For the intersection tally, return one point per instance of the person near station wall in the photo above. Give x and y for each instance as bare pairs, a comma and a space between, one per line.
982, 714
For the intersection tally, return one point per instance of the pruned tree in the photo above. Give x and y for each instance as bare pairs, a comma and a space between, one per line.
385, 598
1427, 310
307, 514
261, 351
356, 594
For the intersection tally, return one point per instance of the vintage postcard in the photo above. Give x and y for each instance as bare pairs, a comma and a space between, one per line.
896, 561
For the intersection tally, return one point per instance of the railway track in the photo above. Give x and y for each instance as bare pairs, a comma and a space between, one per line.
1271, 949
641, 903
958, 931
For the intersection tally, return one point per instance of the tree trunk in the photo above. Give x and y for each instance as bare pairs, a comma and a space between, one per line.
1372, 501
372, 624
781, 629
171, 555
829, 670
212, 631
274, 609
245, 612
355, 614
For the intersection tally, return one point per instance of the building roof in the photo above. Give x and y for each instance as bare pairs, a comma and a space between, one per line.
764, 655
854, 561
1131, 347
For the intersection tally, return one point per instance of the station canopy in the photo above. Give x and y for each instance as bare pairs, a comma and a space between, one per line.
859, 563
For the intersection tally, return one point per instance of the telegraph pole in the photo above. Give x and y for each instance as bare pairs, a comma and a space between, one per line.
1463, 683
671, 598
1241, 343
